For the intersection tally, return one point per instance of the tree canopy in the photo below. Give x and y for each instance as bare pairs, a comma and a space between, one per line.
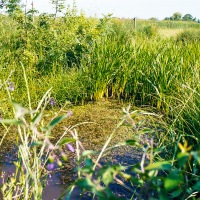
177, 16
188, 17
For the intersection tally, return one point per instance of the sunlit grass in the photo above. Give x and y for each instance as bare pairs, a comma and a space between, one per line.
167, 33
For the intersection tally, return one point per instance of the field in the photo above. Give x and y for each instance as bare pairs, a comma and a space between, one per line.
63, 84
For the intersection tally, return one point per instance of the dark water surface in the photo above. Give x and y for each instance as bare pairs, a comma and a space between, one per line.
55, 184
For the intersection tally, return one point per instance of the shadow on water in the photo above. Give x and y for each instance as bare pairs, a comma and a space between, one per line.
57, 182
53, 190
54, 187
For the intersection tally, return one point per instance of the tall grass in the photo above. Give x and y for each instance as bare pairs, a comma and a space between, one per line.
85, 59
166, 24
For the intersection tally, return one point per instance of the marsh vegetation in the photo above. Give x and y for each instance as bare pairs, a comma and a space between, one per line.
63, 84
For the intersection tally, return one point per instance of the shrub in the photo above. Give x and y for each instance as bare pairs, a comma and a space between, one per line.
189, 36
148, 179
150, 31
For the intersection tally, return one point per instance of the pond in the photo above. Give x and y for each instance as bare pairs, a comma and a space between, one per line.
56, 182
104, 117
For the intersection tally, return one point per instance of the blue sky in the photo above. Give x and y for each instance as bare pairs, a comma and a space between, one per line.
128, 8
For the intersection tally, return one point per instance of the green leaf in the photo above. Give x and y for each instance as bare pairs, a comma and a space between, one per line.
125, 175
36, 119
85, 183
136, 168
86, 170
108, 176
173, 181
110, 172
11, 121
196, 155
196, 186
176, 193
39, 143
163, 195
153, 173
55, 121
131, 142
44, 128
136, 181
66, 141
165, 165
88, 152
182, 159
88, 162
146, 130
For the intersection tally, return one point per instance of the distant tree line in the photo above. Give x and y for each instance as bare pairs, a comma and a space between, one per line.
177, 16
13, 6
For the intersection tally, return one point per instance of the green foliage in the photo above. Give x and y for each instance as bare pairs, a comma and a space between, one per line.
59, 6
13, 7
149, 179
187, 17
189, 36
167, 23
35, 149
150, 31
84, 59
177, 16
2, 4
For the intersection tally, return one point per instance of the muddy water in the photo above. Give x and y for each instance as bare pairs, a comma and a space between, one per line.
55, 185
54, 189
104, 116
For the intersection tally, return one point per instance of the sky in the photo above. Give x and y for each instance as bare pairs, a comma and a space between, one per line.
144, 9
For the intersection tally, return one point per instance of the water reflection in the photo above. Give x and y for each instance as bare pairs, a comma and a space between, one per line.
52, 191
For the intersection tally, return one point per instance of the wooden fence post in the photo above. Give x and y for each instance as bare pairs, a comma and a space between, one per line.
134, 22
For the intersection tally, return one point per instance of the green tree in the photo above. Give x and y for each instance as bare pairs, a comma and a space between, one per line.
31, 12
59, 6
188, 17
167, 18
153, 19
2, 4
13, 6
177, 16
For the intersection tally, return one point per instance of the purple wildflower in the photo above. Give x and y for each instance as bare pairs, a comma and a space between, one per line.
52, 101
70, 147
11, 86
69, 114
50, 166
